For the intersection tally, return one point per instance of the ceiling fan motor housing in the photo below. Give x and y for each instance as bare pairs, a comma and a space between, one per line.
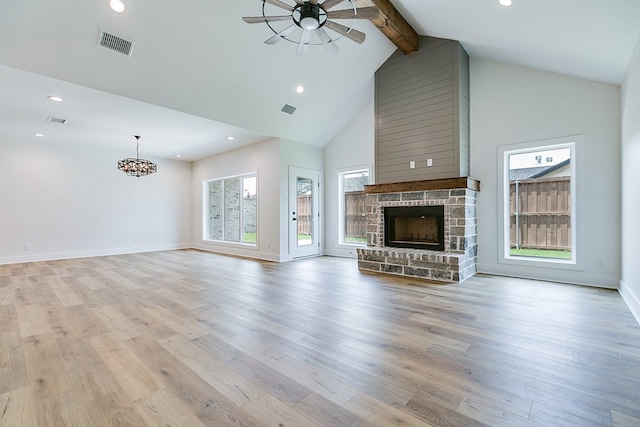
309, 16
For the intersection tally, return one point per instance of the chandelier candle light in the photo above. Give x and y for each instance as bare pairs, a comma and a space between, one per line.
137, 167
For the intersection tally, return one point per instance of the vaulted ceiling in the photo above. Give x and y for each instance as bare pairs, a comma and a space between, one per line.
198, 73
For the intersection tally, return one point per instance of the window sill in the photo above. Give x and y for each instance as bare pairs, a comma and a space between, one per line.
231, 244
561, 264
352, 245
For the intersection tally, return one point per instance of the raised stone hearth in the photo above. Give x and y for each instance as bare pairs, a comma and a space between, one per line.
456, 262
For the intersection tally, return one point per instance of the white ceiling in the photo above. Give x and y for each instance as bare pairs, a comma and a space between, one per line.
198, 73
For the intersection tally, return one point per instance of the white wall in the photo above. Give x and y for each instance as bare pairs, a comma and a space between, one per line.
262, 158
630, 280
512, 105
352, 148
71, 201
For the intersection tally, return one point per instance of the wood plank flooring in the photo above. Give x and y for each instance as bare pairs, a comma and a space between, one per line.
187, 338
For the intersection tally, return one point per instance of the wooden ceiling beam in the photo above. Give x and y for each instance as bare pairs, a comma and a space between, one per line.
393, 25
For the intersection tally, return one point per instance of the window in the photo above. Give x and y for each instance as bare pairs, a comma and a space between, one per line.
231, 214
353, 221
538, 198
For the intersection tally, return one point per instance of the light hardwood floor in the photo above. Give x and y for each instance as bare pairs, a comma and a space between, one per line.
186, 338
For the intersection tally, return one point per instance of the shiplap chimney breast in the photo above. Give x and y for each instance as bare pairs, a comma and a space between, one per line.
422, 111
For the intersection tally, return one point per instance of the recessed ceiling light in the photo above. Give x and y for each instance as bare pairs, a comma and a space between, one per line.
505, 3
55, 98
230, 138
39, 135
116, 5
300, 89
179, 156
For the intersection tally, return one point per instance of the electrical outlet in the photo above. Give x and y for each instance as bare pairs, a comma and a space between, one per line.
600, 263
412, 164
135, 241
27, 247
429, 162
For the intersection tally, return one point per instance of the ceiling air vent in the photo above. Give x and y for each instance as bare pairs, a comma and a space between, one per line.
56, 120
289, 109
113, 42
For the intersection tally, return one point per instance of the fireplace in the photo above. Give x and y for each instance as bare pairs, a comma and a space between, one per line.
442, 246
417, 227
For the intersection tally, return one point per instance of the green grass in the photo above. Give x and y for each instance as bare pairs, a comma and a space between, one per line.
541, 253
305, 239
249, 238
355, 239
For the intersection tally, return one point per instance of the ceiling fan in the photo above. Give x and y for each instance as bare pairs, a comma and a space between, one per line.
311, 17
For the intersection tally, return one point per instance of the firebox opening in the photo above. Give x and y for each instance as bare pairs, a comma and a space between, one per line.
418, 227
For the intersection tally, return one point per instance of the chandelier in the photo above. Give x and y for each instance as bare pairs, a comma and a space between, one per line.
137, 167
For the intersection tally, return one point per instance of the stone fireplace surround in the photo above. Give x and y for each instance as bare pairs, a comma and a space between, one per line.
458, 260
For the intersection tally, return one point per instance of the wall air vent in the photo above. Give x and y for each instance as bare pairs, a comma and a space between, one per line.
113, 42
56, 120
289, 109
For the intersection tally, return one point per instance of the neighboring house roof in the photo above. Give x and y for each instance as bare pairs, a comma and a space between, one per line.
525, 173
535, 172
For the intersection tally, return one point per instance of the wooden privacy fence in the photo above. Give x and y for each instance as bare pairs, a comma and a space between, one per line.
305, 214
540, 211
355, 221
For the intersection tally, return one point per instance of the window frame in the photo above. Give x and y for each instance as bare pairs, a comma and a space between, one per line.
206, 229
575, 144
341, 206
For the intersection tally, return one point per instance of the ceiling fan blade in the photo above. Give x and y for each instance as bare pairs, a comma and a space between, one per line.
328, 4
371, 12
328, 43
262, 19
313, 1
304, 43
349, 33
282, 34
280, 4
299, 1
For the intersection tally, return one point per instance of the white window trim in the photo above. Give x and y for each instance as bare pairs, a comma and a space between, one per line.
341, 207
205, 211
576, 144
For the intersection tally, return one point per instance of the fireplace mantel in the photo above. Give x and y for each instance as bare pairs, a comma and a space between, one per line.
425, 185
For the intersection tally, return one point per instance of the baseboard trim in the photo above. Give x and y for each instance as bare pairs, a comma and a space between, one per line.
239, 252
631, 299
585, 279
89, 254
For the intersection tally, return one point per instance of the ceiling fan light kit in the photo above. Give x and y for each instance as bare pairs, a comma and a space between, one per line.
310, 17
